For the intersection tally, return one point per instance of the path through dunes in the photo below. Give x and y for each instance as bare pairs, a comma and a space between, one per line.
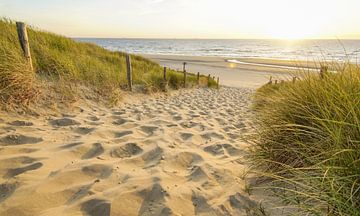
178, 155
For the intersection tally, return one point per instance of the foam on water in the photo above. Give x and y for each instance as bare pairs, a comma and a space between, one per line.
278, 49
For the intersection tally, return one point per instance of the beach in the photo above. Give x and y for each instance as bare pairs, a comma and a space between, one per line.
237, 72
179, 108
178, 154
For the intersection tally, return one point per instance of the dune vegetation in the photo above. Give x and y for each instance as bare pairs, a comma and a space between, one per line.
65, 64
308, 142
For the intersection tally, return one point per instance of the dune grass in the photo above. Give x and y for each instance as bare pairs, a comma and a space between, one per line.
63, 60
308, 142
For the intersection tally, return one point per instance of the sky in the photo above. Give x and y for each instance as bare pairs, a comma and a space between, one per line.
228, 19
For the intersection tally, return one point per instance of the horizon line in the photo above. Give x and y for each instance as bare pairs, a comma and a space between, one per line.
145, 38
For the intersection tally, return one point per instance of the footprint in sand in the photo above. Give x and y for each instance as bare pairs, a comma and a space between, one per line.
128, 150
201, 205
97, 170
232, 151
67, 146
241, 202
96, 207
218, 149
189, 124
153, 157
211, 135
119, 121
17, 161
82, 192
154, 202
186, 136
64, 122
6, 190
122, 134
84, 130
177, 118
215, 149
150, 130
122, 112
95, 151
93, 118
20, 123
17, 171
197, 174
186, 159
18, 139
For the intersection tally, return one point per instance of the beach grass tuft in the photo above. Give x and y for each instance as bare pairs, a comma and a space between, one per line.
308, 141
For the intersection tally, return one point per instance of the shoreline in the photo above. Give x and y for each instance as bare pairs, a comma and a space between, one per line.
236, 72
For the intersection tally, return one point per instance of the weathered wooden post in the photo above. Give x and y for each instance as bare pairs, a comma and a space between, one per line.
24, 41
217, 83
208, 80
270, 80
294, 79
276, 82
184, 70
198, 78
129, 71
165, 74
165, 83
323, 71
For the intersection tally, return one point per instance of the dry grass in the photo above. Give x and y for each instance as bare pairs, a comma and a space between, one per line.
308, 141
60, 59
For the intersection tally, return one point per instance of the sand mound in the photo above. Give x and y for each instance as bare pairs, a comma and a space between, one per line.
128, 150
18, 139
21, 123
6, 190
64, 122
95, 150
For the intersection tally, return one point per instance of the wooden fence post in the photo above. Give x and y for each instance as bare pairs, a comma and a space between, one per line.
217, 83
276, 82
198, 78
184, 70
184, 66
270, 80
129, 71
165, 74
24, 41
208, 80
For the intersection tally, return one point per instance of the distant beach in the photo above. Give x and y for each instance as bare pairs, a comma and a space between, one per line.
238, 63
239, 72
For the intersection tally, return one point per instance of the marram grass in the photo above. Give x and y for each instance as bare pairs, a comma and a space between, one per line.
308, 141
58, 58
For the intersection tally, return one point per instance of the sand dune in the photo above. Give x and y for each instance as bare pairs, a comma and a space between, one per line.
178, 155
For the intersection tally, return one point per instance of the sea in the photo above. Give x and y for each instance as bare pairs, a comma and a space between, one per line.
318, 50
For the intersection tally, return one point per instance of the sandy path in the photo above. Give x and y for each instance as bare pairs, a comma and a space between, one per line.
179, 155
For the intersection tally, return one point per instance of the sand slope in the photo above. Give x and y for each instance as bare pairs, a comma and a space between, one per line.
179, 155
